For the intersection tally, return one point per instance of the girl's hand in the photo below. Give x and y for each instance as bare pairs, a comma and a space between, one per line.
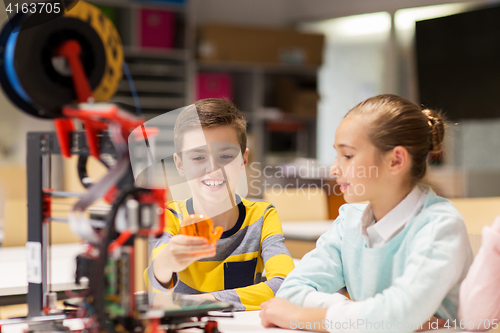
279, 312
180, 252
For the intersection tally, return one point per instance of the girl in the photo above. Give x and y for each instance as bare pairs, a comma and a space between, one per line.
480, 291
401, 257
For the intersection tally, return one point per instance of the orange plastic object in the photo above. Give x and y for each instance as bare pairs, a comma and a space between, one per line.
201, 226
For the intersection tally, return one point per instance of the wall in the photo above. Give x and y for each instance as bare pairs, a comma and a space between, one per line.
242, 12
477, 151
354, 69
341, 87
287, 12
323, 9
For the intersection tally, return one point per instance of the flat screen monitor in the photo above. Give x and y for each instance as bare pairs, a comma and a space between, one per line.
458, 64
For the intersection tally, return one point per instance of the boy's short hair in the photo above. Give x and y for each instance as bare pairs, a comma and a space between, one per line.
211, 112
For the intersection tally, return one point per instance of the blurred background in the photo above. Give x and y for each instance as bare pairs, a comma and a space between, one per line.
295, 67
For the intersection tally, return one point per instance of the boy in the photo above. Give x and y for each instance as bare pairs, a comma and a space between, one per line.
211, 153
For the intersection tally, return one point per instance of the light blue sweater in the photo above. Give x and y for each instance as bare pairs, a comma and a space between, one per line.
416, 275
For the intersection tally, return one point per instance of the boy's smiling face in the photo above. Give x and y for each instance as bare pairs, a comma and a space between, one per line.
211, 161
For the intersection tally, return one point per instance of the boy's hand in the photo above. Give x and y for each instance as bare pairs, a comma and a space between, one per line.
209, 297
180, 252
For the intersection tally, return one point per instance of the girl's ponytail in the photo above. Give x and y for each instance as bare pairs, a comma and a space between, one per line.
436, 124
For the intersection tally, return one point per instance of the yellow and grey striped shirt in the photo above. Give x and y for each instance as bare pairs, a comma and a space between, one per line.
234, 274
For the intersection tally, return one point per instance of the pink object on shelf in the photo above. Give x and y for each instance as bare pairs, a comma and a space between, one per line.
214, 85
157, 28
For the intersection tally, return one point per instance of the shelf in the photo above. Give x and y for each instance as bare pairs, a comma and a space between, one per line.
228, 66
180, 8
155, 53
165, 79
157, 70
145, 86
158, 103
160, 79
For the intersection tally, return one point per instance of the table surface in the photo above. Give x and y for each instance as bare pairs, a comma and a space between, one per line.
63, 263
305, 230
63, 256
247, 322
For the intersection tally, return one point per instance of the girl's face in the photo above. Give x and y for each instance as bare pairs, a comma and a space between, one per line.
356, 166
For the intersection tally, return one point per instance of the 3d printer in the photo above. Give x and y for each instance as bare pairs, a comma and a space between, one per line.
65, 67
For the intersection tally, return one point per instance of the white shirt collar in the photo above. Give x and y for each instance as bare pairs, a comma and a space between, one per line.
378, 234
